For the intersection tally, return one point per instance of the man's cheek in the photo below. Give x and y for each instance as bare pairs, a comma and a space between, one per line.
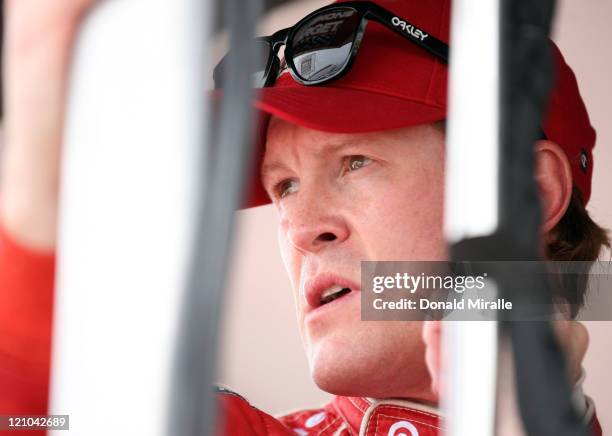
408, 235
420, 211
290, 259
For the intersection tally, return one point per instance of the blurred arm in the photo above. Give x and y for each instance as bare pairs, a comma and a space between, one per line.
38, 39
26, 298
39, 35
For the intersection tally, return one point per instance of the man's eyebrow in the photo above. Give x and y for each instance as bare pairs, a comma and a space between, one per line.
270, 167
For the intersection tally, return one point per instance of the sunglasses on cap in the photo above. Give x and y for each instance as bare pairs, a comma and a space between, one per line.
322, 46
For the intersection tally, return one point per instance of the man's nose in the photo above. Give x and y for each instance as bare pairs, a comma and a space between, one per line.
315, 225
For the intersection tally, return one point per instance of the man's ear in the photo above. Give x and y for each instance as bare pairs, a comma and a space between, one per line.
554, 179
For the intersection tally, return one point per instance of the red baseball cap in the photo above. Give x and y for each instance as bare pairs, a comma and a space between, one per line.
394, 84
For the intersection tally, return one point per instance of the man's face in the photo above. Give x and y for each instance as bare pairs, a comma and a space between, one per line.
343, 199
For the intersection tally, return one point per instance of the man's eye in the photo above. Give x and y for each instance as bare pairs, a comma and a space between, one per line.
287, 187
357, 161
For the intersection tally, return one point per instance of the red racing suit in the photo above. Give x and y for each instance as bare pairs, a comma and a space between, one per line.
343, 416
26, 302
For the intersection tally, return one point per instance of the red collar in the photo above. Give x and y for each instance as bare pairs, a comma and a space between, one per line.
369, 417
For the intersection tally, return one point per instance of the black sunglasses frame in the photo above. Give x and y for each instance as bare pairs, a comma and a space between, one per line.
365, 10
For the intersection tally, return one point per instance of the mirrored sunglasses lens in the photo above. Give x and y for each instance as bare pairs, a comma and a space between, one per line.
322, 45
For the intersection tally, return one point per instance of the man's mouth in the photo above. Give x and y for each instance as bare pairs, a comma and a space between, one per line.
333, 293
322, 289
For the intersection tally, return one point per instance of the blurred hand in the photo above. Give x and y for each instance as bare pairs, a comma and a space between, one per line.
39, 37
572, 336
432, 336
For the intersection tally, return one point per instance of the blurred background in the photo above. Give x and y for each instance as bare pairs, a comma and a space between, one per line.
261, 355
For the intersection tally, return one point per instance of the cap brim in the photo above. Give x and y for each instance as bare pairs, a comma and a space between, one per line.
345, 110
334, 110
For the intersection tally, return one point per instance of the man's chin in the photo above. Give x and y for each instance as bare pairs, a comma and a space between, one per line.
359, 365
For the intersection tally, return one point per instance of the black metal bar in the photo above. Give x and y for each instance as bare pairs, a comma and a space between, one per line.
220, 11
193, 407
544, 394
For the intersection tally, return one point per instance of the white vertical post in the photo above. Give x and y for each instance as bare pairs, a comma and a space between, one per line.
472, 168
133, 137
472, 183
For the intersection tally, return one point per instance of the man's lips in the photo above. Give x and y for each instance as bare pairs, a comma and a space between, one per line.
315, 286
